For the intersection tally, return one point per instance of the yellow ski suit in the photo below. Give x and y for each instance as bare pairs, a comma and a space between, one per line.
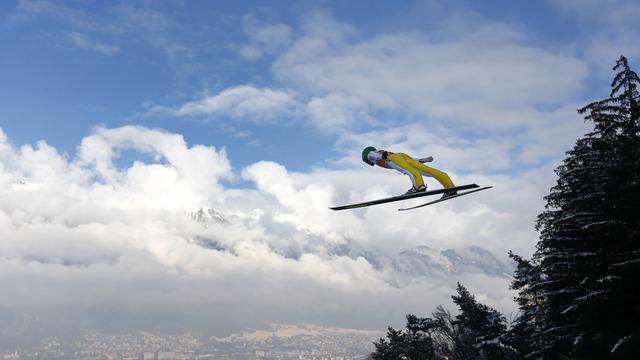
409, 166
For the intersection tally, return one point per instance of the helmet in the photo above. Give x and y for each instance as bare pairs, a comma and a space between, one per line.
366, 152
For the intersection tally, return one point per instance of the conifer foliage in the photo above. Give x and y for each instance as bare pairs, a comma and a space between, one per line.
414, 343
589, 249
477, 332
526, 335
481, 328
579, 297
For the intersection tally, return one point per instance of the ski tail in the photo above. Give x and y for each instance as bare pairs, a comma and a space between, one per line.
445, 198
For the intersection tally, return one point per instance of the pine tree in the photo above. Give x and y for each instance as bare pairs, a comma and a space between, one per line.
389, 348
414, 343
476, 333
482, 329
446, 335
525, 334
589, 246
618, 117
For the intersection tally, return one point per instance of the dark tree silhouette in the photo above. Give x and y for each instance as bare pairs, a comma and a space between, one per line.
413, 343
481, 328
589, 249
475, 333
525, 334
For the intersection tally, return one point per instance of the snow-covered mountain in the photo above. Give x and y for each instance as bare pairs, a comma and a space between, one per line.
416, 262
208, 217
425, 261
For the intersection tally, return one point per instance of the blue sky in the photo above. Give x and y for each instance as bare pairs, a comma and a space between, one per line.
68, 67
118, 118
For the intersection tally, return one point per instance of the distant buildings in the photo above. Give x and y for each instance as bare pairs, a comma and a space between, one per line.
284, 343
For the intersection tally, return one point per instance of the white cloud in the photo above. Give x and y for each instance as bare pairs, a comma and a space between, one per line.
241, 102
338, 110
613, 29
31, 9
119, 23
190, 172
154, 28
84, 42
480, 79
263, 39
94, 234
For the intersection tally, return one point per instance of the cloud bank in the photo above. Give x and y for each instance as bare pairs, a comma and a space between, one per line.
89, 234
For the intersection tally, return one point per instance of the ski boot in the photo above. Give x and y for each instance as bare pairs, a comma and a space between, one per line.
413, 190
449, 193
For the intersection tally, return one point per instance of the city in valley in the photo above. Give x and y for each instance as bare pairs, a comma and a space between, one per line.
283, 342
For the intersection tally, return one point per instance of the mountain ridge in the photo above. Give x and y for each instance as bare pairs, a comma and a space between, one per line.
412, 263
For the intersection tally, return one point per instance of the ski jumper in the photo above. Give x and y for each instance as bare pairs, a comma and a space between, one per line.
409, 166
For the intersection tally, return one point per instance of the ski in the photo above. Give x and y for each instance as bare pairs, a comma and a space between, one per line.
403, 197
446, 198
